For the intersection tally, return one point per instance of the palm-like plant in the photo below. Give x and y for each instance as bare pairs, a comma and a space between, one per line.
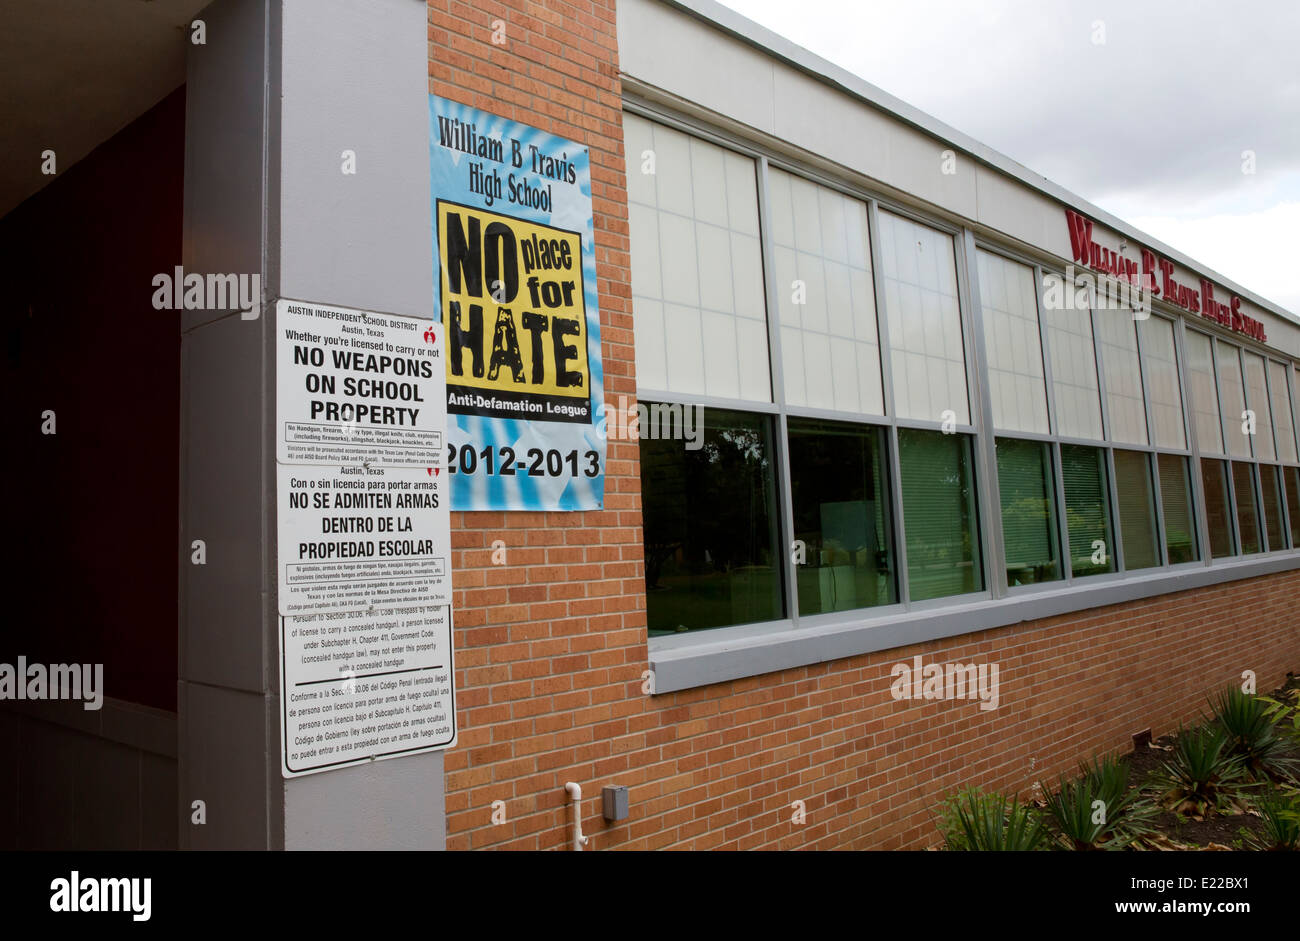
1099, 810
1200, 777
977, 821
1251, 734
1280, 813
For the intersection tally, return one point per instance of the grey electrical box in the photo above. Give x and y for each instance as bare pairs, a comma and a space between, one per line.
614, 799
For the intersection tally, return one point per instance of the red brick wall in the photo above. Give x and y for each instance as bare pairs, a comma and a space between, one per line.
550, 648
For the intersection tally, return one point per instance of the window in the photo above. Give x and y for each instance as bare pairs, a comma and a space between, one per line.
1074, 374
1012, 346
1137, 509
1180, 516
1123, 373
939, 514
1257, 390
830, 351
1203, 393
1232, 392
1291, 476
927, 357
1087, 509
710, 526
1218, 509
1270, 498
841, 513
823, 486
1243, 485
699, 314
1283, 419
1160, 354
1029, 529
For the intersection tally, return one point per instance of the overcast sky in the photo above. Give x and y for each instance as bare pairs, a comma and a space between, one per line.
1150, 124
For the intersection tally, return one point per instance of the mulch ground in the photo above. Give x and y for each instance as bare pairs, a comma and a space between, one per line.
1220, 832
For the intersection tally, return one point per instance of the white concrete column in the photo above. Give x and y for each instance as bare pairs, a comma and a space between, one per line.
276, 95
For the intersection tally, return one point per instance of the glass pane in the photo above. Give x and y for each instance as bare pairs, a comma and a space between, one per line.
1119, 357
1295, 411
1028, 501
1087, 509
1218, 511
926, 353
1292, 477
1201, 390
1009, 307
1243, 486
1257, 401
1074, 373
841, 514
1180, 516
939, 514
1283, 419
1232, 392
1162, 382
829, 346
698, 300
710, 526
1271, 499
1137, 509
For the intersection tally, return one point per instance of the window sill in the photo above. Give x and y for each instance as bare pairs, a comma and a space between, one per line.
723, 654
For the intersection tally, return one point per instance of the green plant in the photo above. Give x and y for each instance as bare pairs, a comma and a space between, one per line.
973, 820
1200, 777
1079, 814
1128, 812
1285, 711
1251, 735
1098, 810
1280, 813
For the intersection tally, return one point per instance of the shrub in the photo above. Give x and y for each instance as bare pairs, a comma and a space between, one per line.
1098, 810
1200, 777
1251, 735
1280, 813
973, 820
1285, 711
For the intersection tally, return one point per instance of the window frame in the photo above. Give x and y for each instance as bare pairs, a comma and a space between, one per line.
711, 656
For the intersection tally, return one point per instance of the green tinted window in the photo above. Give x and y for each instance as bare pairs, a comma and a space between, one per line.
1137, 509
1243, 485
1218, 511
1087, 509
1026, 492
939, 514
709, 526
1180, 518
841, 515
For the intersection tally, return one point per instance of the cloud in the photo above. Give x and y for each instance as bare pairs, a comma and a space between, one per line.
1255, 249
1145, 106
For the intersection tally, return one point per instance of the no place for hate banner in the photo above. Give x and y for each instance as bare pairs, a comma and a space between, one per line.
515, 291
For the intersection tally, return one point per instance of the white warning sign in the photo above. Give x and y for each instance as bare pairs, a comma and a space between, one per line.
358, 387
365, 685
364, 548
360, 537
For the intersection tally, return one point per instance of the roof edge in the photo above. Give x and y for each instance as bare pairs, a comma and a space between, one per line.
727, 20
